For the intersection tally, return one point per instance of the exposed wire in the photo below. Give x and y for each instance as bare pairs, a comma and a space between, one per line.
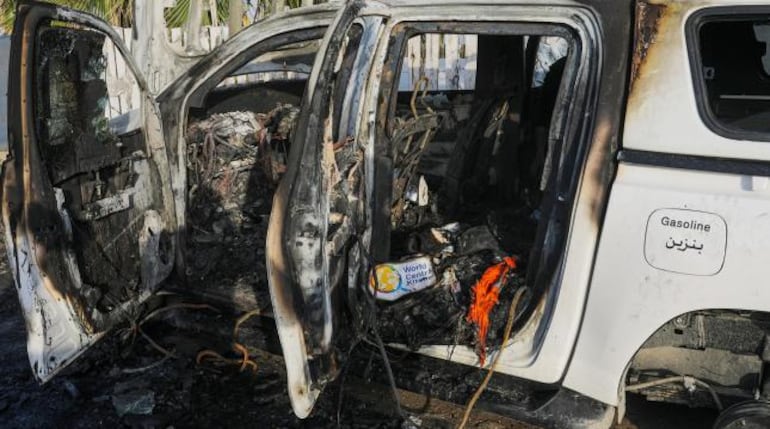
506, 337
155, 364
343, 378
136, 328
240, 347
341, 394
152, 342
244, 361
372, 325
218, 358
686, 380
176, 306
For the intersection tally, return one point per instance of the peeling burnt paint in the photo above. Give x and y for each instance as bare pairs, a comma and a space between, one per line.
332, 165
613, 51
53, 211
300, 259
648, 16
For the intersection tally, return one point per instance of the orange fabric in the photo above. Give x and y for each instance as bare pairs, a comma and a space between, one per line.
486, 292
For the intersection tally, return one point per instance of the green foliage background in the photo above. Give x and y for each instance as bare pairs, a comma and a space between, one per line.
117, 12
120, 12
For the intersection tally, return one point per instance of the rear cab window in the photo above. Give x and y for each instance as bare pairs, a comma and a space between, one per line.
731, 64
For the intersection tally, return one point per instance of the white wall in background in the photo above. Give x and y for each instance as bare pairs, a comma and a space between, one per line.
5, 46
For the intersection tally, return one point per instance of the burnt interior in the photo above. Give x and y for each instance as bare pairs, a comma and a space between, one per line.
237, 150
470, 171
96, 163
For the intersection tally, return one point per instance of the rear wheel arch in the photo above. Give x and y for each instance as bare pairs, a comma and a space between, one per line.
738, 331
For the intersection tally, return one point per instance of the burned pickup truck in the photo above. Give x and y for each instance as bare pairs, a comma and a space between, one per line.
583, 216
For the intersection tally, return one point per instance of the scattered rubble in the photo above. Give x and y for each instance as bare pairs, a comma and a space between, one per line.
187, 395
133, 397
71, 388
234, 162
436, 315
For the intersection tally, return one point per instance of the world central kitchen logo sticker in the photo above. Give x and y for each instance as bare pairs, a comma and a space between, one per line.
686, 241
394, 280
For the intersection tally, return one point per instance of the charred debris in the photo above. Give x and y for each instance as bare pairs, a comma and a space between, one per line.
470, 169
234, 162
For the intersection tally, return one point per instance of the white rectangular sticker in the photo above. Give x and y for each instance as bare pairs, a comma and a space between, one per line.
397, 279
686, 241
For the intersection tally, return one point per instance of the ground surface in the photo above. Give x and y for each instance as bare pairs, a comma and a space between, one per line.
181, 393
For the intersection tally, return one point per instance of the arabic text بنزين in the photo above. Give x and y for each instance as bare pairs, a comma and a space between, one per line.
683, 245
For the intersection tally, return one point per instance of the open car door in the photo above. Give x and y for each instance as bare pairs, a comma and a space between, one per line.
87, 204
320, 227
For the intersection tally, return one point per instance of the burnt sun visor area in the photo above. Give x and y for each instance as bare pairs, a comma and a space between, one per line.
731, 70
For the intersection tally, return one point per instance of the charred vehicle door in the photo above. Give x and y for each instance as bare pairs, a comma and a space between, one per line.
87, 206
515, 171
319, 233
